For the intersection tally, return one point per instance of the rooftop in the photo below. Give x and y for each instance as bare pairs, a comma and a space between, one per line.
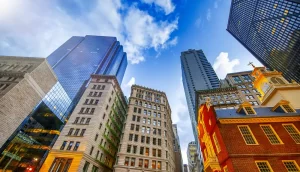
260, 112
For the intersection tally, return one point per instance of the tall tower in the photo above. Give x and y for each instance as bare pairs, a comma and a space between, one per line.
197, 74
90, 139
147, 140
270, 30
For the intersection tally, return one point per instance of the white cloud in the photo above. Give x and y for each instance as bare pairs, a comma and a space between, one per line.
131, 82
208, 15
223, 65
166, 5
216, 4
180, 116
198, 22
46, 25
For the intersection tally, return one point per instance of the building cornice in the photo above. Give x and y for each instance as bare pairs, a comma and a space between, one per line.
259, 120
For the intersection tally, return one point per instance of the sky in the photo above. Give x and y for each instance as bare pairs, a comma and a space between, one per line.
153, 33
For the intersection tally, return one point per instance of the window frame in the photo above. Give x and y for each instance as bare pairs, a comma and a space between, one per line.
274, 132
295, 128
267, 162
256, 142
294, 162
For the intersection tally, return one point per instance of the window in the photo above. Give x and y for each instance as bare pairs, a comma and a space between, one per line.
154, 152
128, 148
154, 141
96, 137
154, 122
288, 108
236, 79
63, 145
88, 121
134, 149
263, 166
145, 112
82, 120
158, 152
130, 137
143, 139
149, 121
148, 130
159, 142
100, 126
141, 163
135, 109
153, 164
254, 103
142, 150
147, 152
293, 131
143, 129
76, 120
271, 134
159, 165
132, 162
136, 138
216, 143
249, 110
76, 146
137, 128
70, 145
144, 120
70, 131
60, 164
133, 117
82, 132
132, 127
247, 135
92, 111
126, 161
86, 166
158, 123
76, 132
138, 119
146, 164
148, 140
92, 149
291, 165
166, 154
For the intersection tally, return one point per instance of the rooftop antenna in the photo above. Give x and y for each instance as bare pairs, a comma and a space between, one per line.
251, 63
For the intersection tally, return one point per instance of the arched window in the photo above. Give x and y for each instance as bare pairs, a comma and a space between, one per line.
136, 102
276, 80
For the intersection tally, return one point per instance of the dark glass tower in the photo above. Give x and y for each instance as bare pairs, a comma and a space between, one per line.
270, 30
73, 63
197, 74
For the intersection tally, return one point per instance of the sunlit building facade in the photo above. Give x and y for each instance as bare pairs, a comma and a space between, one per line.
90, 139
254, 138
147, 139
270, 30
197, 74
177, 150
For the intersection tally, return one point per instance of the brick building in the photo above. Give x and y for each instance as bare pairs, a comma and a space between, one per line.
247, 138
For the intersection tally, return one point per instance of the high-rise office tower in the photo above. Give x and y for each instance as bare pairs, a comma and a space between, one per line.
197, 74
270, 30
73, 63
177, 150
90, 139
147, 140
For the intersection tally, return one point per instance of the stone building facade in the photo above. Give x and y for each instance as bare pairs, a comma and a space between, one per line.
89, 141
24, 81
147, 141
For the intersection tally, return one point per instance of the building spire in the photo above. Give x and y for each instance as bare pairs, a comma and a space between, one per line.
251, 63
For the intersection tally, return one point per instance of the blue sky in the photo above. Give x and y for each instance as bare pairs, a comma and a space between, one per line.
153, 33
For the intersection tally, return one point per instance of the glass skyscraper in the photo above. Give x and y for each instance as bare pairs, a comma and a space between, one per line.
197, 74
270, 30
73, 63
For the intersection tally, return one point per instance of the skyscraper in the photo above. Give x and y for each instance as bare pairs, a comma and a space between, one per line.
177, 150
147, 141
79, 57
90, 139
270, 30
73, 63
197, 74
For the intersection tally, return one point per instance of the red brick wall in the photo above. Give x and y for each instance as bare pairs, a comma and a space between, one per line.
232, 142
235, 143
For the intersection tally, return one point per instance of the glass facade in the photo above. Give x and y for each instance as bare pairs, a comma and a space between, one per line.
270, 30
73, 63
197, 74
